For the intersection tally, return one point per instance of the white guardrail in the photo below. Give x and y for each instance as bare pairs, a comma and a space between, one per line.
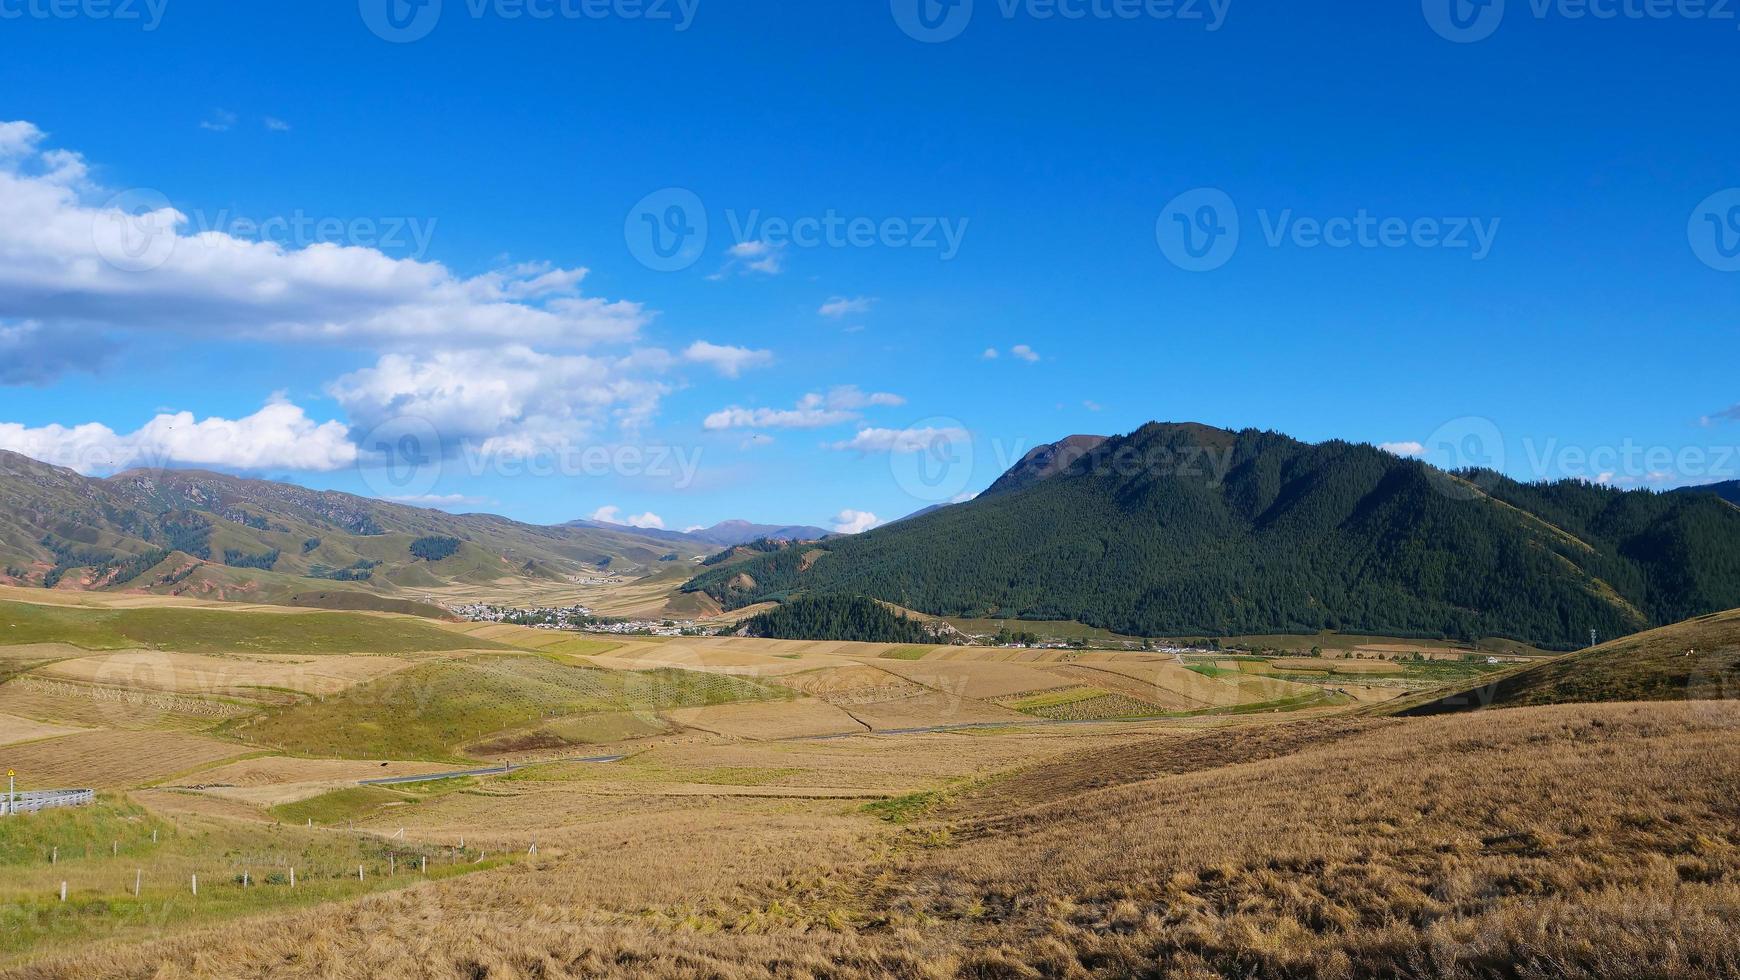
30, 802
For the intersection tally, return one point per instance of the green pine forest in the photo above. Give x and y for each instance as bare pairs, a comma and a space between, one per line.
1182, 530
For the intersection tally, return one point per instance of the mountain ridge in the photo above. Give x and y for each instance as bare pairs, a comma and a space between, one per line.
233, 537
1187, 530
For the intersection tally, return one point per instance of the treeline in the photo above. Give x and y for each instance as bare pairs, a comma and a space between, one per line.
1217, 533
837, 618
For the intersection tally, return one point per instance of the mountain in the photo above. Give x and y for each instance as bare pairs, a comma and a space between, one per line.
1188, 530
728, 533
1045, 462
227, 537
1729, 491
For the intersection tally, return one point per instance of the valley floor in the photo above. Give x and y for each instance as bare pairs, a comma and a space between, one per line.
1595, 841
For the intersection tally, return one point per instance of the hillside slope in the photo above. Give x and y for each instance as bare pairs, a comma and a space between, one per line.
1698, 660
223, 536
1179, 530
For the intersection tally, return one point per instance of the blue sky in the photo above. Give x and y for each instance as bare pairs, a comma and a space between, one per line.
1531, 288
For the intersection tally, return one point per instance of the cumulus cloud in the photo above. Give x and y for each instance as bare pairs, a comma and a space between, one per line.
901, 440
990, 354
840, 306
1409, 448
813, 411
728, 361
72, 255
613, 515
1025, 353
513, 401
278, 436
854, 521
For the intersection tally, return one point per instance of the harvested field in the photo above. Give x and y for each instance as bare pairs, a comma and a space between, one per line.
88, 705
781, 719
197, 674
930, 710
853, 684
972, 679
15, 729
107, 759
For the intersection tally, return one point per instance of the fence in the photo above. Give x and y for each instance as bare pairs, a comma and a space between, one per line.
30, 802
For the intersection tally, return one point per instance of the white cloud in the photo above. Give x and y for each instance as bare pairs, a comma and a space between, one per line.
746, 257
1025, 352
513, 401
1409, 448
220, 121
901, 440
275, 124
612, 515
990, 354
854, 521
728, 361
75, 257
278, 436
840, 306
1092, 406
813, 411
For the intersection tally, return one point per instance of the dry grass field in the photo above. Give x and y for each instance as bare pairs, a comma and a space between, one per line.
108, 759
728, 807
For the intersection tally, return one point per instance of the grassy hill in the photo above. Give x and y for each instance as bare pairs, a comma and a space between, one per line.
1694, 660
1182, 530
191, 532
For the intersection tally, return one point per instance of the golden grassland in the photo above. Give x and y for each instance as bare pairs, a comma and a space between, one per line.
730, 807
1584, 841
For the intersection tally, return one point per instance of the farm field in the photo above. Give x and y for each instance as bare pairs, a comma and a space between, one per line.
730, 805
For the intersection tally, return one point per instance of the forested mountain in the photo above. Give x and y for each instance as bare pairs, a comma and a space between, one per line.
1181, 530
1729, 491
227, 537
